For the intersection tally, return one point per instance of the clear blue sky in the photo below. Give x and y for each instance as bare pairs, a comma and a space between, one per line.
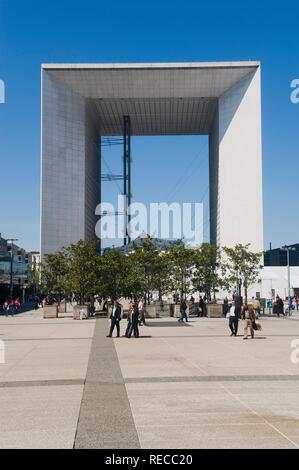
35, 31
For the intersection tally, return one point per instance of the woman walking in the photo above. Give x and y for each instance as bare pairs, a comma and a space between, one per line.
183, 308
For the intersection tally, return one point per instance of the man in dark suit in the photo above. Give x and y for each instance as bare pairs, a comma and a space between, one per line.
134, 325
115, 318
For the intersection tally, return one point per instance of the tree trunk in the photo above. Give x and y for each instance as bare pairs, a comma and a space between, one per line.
245, 294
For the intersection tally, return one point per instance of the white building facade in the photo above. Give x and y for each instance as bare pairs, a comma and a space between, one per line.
274, 281
81, 103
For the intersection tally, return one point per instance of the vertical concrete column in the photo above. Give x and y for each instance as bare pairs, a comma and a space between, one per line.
70, 173
236, 166
92, 169
214, 176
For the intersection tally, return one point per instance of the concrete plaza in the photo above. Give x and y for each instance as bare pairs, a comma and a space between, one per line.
64, 385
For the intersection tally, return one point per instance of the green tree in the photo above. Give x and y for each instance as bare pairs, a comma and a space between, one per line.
148, 267
116, 275
34, 279
163, 269
242, 267
208, 270
54, 272
181, 264
82, 270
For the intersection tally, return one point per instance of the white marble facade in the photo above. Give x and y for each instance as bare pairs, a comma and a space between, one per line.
81, 102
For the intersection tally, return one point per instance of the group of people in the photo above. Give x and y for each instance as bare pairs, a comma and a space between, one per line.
200, 311
248, 313
11, 307
135, 317
294, 303
278, 305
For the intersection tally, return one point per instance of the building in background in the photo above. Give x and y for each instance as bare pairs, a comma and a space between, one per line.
159, 244
278, 257
24, 265
274, 275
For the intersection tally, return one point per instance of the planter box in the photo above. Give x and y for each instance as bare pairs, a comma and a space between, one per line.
69, 308
171, 309
162, 313
150, 311
176, 313
62, 307
76, 311
165, 313
101, 314
214, 310
50, 311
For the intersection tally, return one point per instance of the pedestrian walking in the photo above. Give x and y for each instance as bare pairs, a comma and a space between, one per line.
12, 307
6, 308
129, 318
225, 307
115, 319
201, 307
105, 306
183, 309
135, 319
247, 314
17, 305
256, 307
294, 303
233, 319
270, 306
141, 310
193, 309
279, 306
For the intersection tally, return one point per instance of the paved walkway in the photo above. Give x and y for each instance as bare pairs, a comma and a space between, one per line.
64, 385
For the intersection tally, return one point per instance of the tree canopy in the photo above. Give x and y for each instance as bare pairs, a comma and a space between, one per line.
79, 270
